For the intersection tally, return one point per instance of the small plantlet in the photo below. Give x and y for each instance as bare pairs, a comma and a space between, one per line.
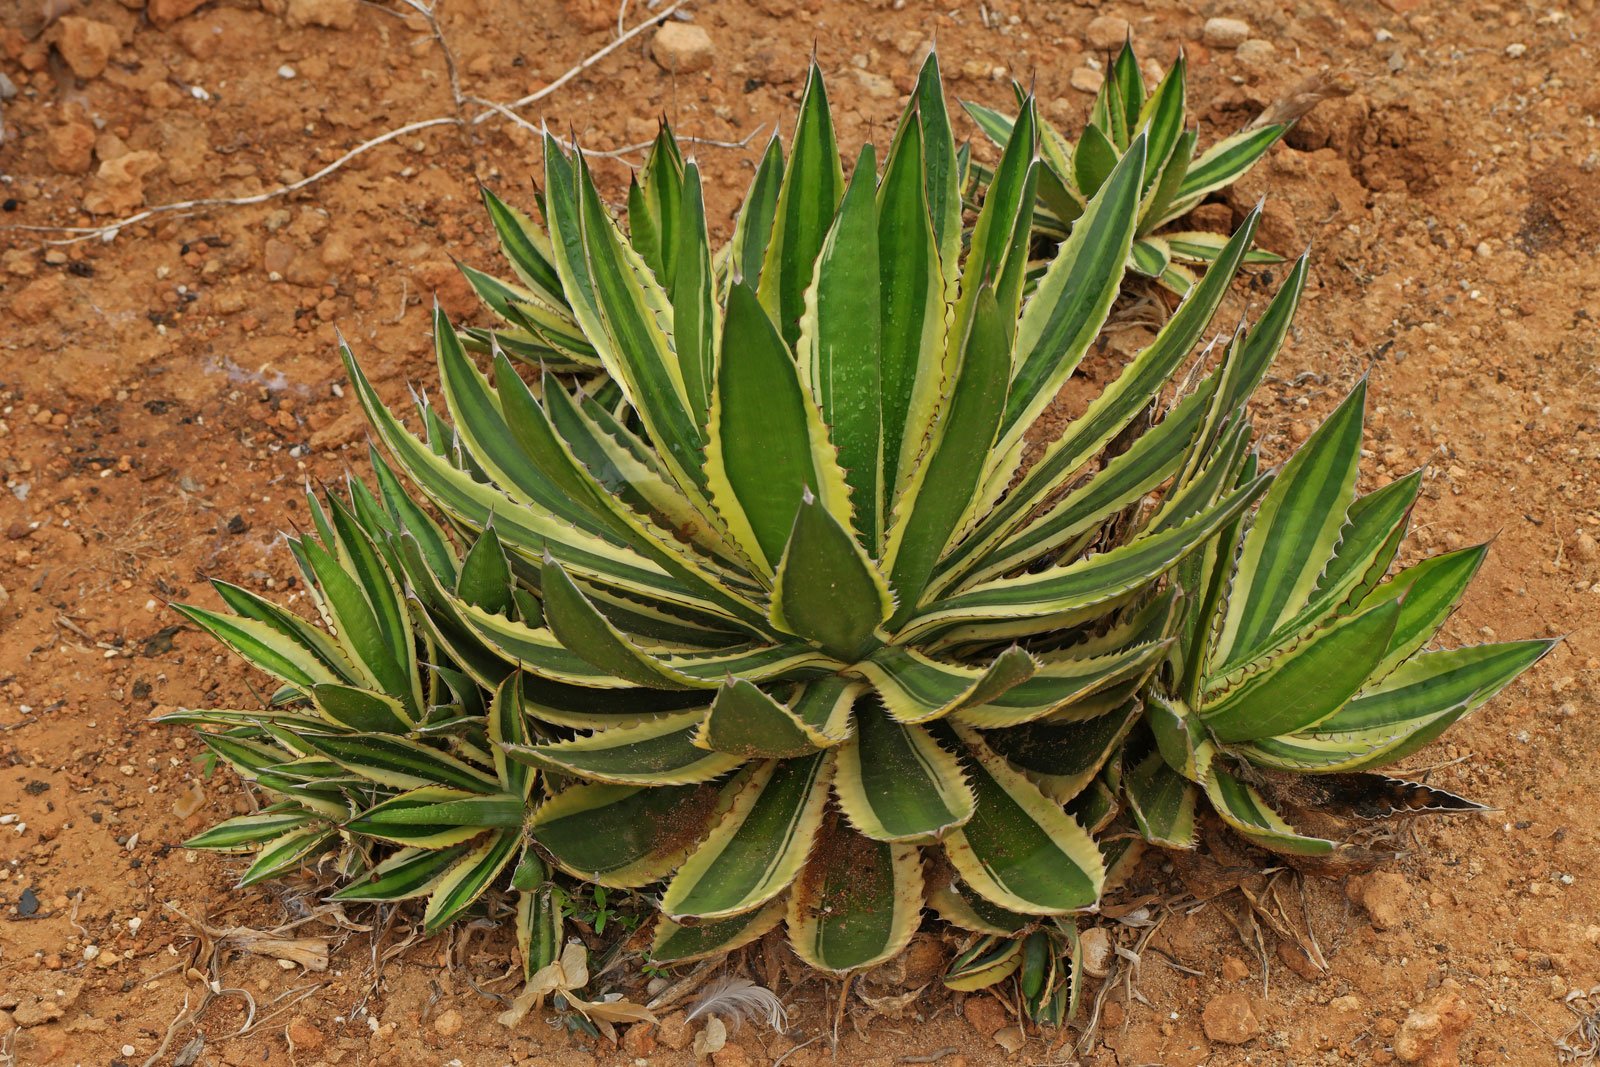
1175, 179
768, 611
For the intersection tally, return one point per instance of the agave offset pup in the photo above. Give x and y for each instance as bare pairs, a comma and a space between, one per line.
1175, 182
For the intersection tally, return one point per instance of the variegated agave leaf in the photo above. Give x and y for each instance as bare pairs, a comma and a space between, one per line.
775, 606
1175, 179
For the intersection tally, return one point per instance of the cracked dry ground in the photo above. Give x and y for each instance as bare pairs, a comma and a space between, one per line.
165, 394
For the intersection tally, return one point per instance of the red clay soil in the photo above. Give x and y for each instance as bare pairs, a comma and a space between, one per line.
166, 393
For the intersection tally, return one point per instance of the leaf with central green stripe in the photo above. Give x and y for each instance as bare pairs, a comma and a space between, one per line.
895, 783
436, 817
660, 752
292, 626
1242, 808
1140, 383
1428, 592
398, 762
991, 961
469, 879
361, 709
1074, 297
940, 164
1082, 586
840, 345
1221, 165
286, 853
1061, 758
753, 228
1293, 534
696, 319
623, 836
857, 903
1020, 850
759, 397
936, 499
1162, 803
916, 688
411, 872
911, 287
636, 316
244, 832
263, 645
1434, 681
827, 590
682, 944
812, 187
758, 848
1302, 682
578, 624
508, 725
1059, 685
744, 721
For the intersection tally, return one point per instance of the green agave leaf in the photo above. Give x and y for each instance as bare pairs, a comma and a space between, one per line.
1242, 808
437, 817
1162, 803
1058, 687
1434, 681
1062, 758
623, 836
916, 688
840, 345
659, 752
857, 902
811, 190
262, 645
461, 886
579, 626
827, 589
1301, 683
243, 833
747, 722
1119, 403
758, 848
959, 906
1221, 165
1161, 116
539, 928
896, 783
911, 288
324, 648
991, 960
1428, 593
936, 499
508, 725
1020, 850
398, 762
1074, 297
1094, 160
682, 944
526, 247
287, 852
409, 873
361, 709
759, 397
753, 228
1293, 535
696, 318
942, 166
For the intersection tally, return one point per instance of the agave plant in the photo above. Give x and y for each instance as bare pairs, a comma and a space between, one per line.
789, 602
383, 755
1175, 181
1295, 655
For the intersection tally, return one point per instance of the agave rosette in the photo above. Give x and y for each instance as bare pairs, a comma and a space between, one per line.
792, 592
1176, 179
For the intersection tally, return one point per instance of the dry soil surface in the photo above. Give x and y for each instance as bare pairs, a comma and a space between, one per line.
166, 393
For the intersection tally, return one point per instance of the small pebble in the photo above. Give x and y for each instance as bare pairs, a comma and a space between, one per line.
1225, 32
286, 72
1516, 50
1087, 80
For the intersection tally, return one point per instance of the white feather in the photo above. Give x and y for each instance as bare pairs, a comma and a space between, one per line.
737, 999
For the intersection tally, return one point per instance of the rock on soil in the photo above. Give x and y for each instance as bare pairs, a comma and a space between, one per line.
1230, 1019
70, 148
1087, 80
682, 48
1431, 1034
1096, 945
1225, 32
984, 1014
163, 12
331, 14
86, 45
1383, 895
1107, 32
